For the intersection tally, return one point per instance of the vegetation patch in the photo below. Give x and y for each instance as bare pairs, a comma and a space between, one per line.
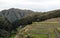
39, 35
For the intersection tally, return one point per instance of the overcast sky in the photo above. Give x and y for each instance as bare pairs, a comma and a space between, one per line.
37, 5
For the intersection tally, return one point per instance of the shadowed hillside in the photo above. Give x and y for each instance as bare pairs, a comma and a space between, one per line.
37, 17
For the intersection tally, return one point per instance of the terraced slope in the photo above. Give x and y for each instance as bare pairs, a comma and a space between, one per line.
45, 29
53, 20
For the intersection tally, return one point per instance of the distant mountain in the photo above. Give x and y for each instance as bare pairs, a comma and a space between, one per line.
14, 14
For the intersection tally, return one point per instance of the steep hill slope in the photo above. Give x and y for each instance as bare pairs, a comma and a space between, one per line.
45, 29
15, 14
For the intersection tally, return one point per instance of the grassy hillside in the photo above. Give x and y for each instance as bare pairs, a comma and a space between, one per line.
31, 25
45, 29
53, 20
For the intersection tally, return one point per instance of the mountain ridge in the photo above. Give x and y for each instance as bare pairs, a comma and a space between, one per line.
15, 14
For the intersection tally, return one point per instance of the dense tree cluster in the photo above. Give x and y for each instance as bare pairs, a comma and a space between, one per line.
5, 28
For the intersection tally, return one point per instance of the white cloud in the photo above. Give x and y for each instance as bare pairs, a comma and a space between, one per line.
38, 5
